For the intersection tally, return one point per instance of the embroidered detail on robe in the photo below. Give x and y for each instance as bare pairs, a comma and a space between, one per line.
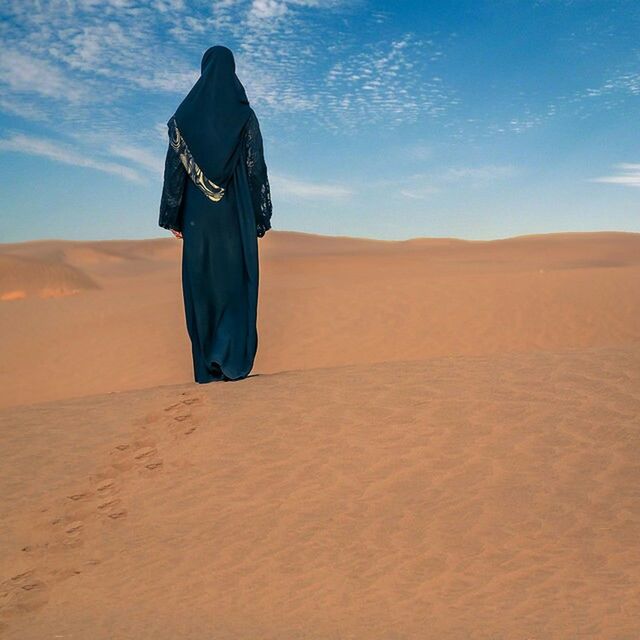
209, 188
257, 174
176, 171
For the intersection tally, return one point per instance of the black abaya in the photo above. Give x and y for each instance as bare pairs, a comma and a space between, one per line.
220, 269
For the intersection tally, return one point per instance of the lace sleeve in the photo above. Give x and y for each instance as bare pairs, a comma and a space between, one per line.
172, 188
257, 174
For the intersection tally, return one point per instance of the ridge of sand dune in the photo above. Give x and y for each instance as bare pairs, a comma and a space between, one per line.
468, 498
324, 301
93, 251
21, 277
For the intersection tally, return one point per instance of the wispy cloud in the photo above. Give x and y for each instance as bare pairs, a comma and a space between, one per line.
479, 175
267, 9
628, 175
387, 82
419, 192
99, 70
274, 9
143, 157
282, 55
622, 83
16, 105
287, 187
21, 73
58, 152
417, 151
421, 186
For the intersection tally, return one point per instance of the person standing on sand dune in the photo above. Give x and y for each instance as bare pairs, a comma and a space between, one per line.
216, 198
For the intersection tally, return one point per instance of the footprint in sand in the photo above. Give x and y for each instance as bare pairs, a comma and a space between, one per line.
186, 401
74, 527
145, 452
23, 592
120, 456
73, 534
121, 459
182, 417
109, 504
105, 486
22, 577
79, 496
186, 417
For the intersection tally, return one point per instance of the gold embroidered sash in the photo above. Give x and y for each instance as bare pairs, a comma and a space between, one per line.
209, 188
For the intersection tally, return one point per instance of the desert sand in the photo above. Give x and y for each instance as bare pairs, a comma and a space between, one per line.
440, 439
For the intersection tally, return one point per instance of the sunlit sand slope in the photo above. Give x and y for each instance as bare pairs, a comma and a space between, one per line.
461, 497
324, 301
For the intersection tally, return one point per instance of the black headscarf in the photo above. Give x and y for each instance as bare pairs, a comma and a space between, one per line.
212, 116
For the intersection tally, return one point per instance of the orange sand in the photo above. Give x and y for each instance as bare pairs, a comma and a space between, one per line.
440, 441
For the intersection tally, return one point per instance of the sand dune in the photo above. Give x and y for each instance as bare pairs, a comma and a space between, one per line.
459, 497
439, 441
324, 302
22, 277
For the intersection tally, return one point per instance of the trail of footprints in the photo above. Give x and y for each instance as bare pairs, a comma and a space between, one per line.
101, 500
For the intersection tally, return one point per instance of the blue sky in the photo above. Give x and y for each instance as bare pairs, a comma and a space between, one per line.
472, 119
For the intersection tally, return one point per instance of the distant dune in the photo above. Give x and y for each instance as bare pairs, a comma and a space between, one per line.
439, 441
25, 277
324, 301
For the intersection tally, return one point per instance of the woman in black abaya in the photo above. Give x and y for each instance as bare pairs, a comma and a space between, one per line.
216, 197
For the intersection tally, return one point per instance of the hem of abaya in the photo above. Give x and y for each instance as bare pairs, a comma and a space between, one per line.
219, 374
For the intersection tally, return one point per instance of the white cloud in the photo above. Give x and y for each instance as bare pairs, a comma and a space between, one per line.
581, 103
267, 9
622, 83
22, 73
53, 150
171, 81
417, 151
287, 186
477, 175
17, 105
389, 82
142, 157
106, 70
628, 176
161, 132
270, 9
166, 6
122, 46
421, 186
420, 192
